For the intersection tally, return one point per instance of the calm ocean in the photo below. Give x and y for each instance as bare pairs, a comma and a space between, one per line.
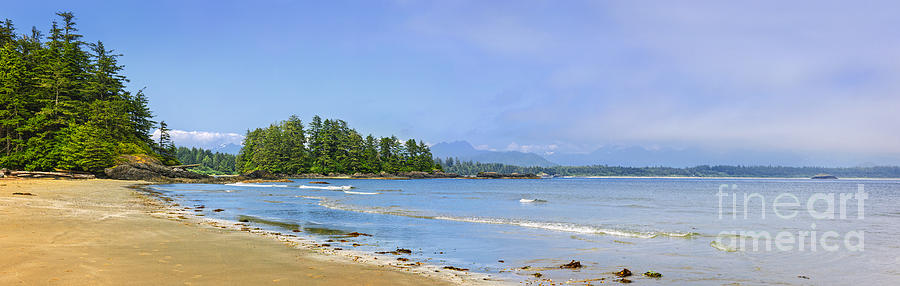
690, 230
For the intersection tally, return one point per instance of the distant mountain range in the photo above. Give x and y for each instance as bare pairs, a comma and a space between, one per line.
229, 148
464, 151
634, 156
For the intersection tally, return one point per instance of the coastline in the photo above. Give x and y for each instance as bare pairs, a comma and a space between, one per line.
90, 232
320, 247
720, 178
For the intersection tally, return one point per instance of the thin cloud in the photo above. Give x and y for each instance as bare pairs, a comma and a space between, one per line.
202, 139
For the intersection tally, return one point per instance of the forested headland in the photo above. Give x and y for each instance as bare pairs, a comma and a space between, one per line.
211, 163
64, 103
466, 168
329, 147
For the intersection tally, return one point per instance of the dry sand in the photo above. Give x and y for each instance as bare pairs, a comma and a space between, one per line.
98, 232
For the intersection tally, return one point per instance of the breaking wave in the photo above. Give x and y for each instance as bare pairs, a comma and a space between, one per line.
721, 246
255, 185
571, 227
360, 193
553, 226
330, 188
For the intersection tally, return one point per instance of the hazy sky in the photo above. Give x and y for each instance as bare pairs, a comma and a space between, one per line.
539, 76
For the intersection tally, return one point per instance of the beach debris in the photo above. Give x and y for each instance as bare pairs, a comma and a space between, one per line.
586, 281
396, 252
356, 244
573, 265
652, 274
330, 240
624, 273
22, 194
537, 274
501, 261
357, 234
325, 245
623, 280
218, 210
319, 182
402, 259
296, 230
244, 220
455, 268
803, 276
338, 248
526, 267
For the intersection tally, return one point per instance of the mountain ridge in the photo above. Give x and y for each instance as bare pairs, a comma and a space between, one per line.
463, 150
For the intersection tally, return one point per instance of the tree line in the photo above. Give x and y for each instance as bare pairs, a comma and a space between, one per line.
63, 103
329, 147
210, 163
454, 165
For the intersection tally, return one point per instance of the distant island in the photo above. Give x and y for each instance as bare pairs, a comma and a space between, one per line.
470, 168
824, 177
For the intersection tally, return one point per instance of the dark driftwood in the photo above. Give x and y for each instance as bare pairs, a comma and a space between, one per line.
39, 174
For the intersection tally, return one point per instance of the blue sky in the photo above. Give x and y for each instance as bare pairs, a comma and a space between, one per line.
538, 76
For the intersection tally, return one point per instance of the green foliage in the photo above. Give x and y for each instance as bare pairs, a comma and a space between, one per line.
63, 102
166, 147
210, 163
328, 146
84, 147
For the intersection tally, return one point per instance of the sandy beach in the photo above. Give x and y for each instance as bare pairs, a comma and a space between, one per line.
99, 232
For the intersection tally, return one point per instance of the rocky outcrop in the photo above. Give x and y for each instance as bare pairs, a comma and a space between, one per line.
495, 175
259, 174
143, 167
405, 175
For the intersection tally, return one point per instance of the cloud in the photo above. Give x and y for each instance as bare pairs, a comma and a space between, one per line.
201, 139
800, 76
539, 149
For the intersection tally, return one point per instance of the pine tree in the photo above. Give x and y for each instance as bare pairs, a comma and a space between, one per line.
165, 147
53, 91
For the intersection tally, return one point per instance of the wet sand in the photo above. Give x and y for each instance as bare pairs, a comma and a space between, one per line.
98, 232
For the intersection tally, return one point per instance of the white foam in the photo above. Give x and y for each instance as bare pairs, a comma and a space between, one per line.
554, 226
721, 246
569, 227
255, 185
330, 188
360, 193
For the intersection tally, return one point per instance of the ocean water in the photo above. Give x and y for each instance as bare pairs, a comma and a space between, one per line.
685, 229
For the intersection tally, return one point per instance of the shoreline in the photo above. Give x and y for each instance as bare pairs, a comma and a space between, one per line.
720, 178
97, 232
319, 245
